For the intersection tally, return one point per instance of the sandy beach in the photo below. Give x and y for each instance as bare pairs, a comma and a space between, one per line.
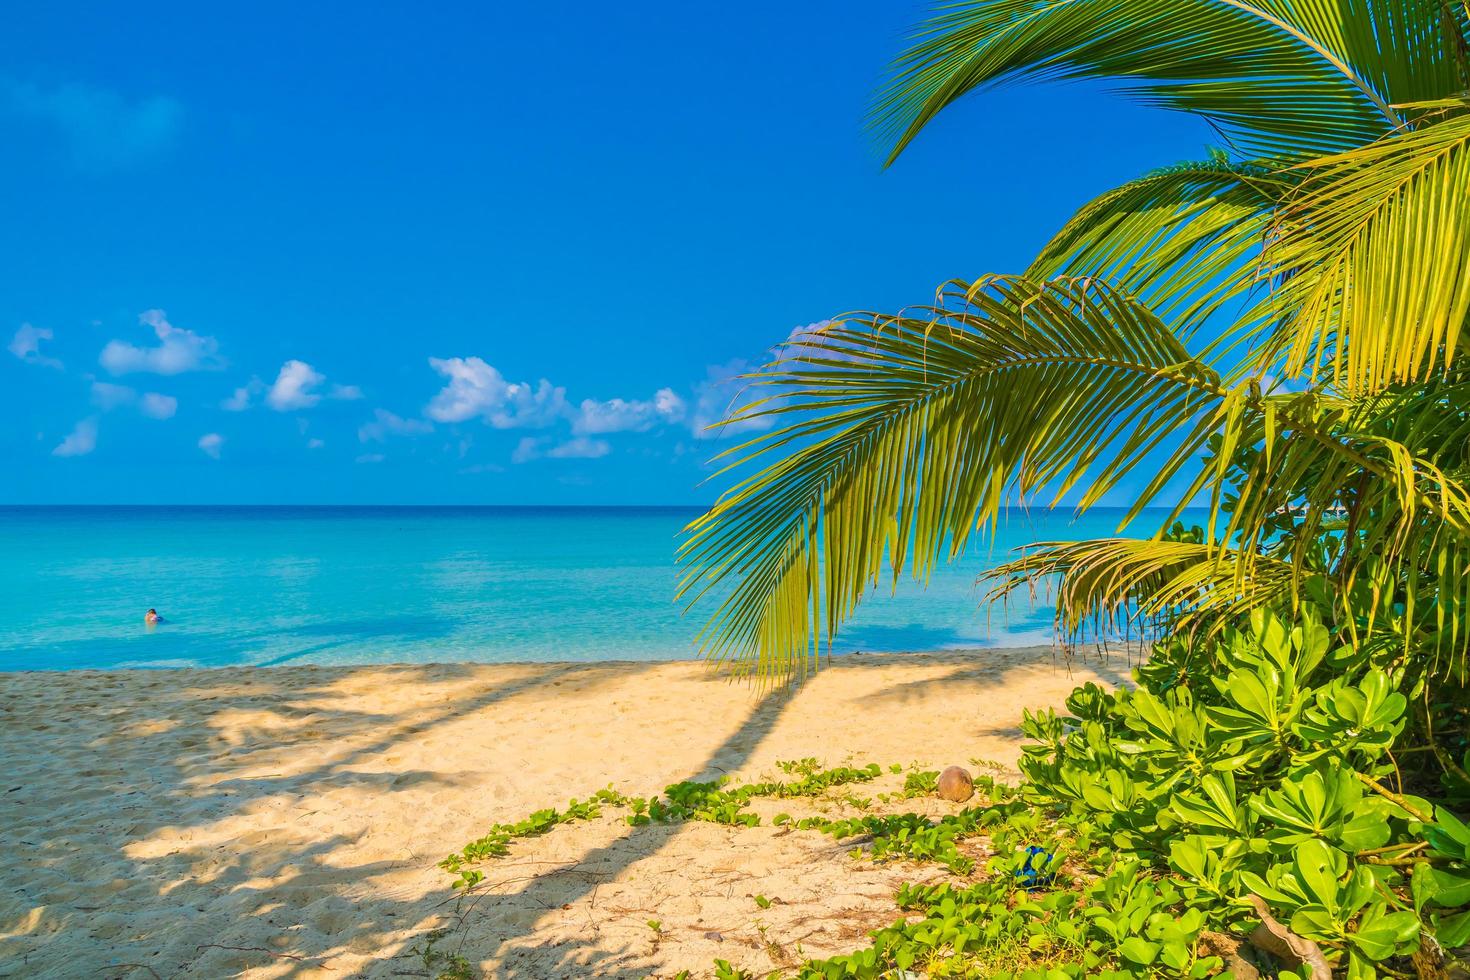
286, 822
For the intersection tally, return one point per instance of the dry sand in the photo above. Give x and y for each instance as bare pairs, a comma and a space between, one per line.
286, 822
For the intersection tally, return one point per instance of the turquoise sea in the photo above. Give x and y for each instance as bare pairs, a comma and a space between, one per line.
348, 585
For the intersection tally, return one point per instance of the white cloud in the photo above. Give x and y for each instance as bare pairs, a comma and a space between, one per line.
83, 440
796, 341
618, 415
719, 396
26, 345
385, 423
157, 406
107, 396
211, 443
668, 404
804, 343
527, 449
240, 400
178, 350
295, 388
476, 389
580, 448
726, 389
371, 458
102, 128
314, 443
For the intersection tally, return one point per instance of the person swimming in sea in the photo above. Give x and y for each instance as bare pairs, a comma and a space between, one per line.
152, 618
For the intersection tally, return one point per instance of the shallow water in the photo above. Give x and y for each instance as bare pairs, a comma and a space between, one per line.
273, 585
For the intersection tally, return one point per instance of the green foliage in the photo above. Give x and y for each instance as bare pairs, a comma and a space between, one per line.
708, 801
1254, 764
914, 837
1124, 923
1256, 774
496, 843
1301, 78
441, 965
724, 971
1258, 769
921, 783
712, 802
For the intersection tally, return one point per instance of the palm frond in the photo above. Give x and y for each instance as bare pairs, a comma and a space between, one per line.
1379, 246
1284, 77
1330, 488
1185, 239
1319, 454
1112, 585
909, 432
1337, 470
898, 438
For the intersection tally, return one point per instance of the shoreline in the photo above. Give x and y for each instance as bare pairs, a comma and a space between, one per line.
287, 821
1119, 650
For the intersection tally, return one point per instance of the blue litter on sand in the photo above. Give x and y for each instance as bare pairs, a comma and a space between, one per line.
1032, 876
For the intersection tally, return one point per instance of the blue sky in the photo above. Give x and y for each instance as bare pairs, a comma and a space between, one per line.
448, 254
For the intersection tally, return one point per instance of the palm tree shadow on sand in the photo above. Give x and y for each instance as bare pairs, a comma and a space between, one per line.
212, 823
101, 897
479, 932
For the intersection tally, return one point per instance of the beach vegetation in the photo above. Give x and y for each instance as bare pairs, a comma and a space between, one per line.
708, 801
442, 965
1274, 333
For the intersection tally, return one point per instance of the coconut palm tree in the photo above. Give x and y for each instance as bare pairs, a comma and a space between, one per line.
1283, 322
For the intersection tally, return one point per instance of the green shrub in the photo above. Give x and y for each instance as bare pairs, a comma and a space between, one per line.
1255, 764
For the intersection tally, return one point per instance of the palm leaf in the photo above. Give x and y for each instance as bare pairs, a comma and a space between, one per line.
1185, 239
898, 438
1113, 584
1319, 454
1330, 470
1283, 77
1377, 242
908, 433
1407, 509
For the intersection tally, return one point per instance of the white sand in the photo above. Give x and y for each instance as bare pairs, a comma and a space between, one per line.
286, 822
